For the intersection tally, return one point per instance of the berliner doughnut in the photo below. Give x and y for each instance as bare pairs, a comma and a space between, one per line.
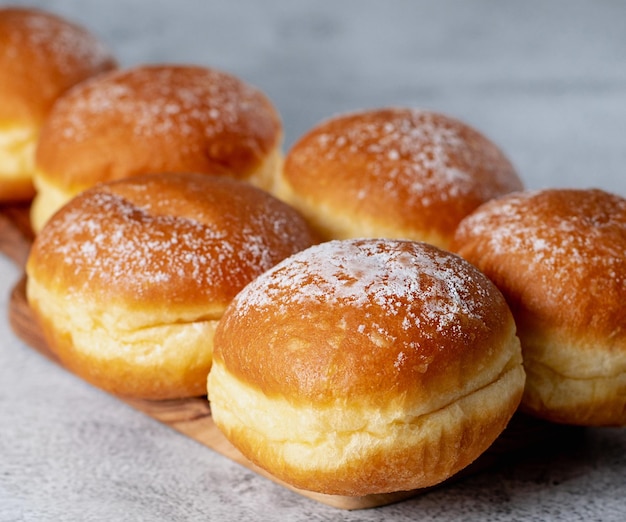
154, 118
366, 366
559, 257
41, 56
393, 172
129, 279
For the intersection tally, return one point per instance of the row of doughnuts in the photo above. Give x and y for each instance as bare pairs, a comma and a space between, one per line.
338, 363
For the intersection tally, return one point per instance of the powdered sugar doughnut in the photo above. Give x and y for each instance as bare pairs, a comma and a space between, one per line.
130, 278
41, 56
366, 366
559, 257
155, 118
394, 172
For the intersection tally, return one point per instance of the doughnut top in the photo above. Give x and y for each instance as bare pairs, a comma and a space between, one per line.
41, 56
412, 170
154, 119
558, 255
177, 238
363, 319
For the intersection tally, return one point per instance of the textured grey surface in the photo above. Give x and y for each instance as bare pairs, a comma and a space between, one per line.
545, 80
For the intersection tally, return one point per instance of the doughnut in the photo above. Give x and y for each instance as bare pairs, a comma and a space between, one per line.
154, 118
392, 172
559, 257
129, 279
366, 366
41, 57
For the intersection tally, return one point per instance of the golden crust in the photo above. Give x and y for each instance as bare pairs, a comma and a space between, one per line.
41, 57
356, 366
158, 118
558, 257
128, 266
393, 172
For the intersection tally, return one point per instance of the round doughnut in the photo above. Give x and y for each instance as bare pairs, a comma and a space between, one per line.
154, 118
366, 366
559, 257
41, 57
129, 279
393, 172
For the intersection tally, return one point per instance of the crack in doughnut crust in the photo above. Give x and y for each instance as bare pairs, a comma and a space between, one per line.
366, 366
559, 257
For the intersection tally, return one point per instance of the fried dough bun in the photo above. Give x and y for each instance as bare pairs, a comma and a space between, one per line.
130, 278
393, 172
559, 257
41, 57
154, 118
366, 366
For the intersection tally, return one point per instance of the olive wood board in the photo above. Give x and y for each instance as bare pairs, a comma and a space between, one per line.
192, 416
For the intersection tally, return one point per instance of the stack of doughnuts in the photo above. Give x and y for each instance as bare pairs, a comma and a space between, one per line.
41, 57
365, 317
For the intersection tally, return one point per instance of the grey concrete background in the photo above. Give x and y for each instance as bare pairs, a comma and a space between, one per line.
544, 80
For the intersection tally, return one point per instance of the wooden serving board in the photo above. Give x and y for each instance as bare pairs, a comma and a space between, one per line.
192, 417
16, 234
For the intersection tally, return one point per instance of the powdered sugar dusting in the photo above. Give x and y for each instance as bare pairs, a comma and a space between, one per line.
69, 47
109, 242
159, 100
427, 156
422, 286
573, 241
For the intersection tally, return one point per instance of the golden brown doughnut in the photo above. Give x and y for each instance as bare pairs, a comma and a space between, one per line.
559, 257
154, 118
129, 279
393, 172
41, 56
366, 366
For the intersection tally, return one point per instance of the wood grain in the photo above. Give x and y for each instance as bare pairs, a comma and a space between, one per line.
192, 417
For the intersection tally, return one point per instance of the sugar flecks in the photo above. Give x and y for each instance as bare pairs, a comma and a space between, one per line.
157, 101
122, 245
426, 156
64, 44
421, 285
569, 238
